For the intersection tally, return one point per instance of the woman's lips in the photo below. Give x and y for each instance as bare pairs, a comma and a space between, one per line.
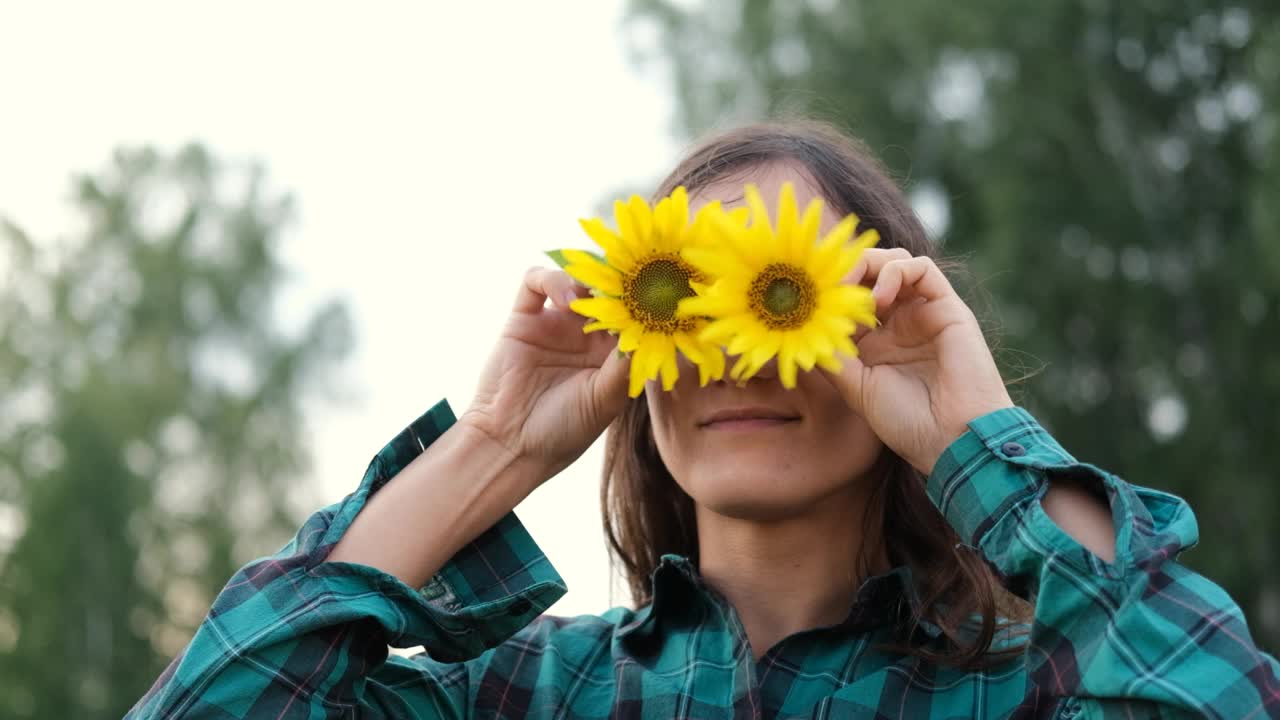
747, 418
748, 423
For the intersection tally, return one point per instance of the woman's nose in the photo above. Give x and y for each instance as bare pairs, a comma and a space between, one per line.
768, 371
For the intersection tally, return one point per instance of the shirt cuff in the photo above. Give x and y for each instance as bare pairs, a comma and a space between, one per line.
984, 473
989, 482
490, 589
988, 485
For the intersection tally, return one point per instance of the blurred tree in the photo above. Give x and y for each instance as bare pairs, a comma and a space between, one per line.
1111, 170
149, 424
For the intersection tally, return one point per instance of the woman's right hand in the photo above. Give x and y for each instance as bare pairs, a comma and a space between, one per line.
548, 390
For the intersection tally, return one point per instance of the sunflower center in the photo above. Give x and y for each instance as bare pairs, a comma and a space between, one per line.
654, 290
782, 296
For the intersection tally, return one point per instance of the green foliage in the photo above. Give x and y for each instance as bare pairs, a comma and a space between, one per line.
150, 426
1110, 170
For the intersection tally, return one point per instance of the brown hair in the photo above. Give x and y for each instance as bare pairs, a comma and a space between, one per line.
646, 514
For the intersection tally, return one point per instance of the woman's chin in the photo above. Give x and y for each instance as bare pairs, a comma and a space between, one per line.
756, 496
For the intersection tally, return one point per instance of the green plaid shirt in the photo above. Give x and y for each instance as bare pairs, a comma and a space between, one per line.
293, 636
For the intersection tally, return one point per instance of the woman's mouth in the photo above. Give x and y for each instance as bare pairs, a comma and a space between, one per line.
747, 418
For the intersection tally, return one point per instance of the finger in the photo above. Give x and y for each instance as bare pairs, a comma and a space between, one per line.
873, 259
918, 276
610, 387
876, 347
862, 330
542, 283
576, 291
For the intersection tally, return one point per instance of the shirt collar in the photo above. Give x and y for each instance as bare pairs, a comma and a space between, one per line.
677, 587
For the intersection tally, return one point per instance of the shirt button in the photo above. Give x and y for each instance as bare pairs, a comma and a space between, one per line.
1013, 449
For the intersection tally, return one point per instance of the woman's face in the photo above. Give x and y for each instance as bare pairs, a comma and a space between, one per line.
760, 451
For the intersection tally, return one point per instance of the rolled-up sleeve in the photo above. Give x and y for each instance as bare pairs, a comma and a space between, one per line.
295, 635
1142, 628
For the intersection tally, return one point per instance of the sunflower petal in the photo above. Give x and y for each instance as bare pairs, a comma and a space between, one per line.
615, 250
853, 301
690, 348
701, 230
605, 309
787, 361
698, 305
866, 239
845, 260
627, 228
759, 355
835, 325
658, 348
759, 211
638, 378
840, 268
830, 363
670, 371
713, 306
805, 356
845, 345
739, 216
642, 221
825, 262
596, 276
709, 260
721, 331
819, 344
810, 222
712, 367
787, 213
664, 232
679, 218
746, 340
582, 257
629, 339
739, 243
840, 234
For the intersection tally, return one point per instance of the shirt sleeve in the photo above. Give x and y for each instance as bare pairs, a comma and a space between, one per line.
294, 636
1143, 627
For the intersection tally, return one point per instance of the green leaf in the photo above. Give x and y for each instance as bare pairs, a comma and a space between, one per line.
557, 256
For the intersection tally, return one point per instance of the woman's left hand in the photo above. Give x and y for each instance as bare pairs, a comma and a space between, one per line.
926, 371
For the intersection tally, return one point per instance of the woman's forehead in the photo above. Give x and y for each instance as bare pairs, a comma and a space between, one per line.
769, 179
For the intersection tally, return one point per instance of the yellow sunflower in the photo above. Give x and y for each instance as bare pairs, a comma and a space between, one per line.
639, 283
778, 290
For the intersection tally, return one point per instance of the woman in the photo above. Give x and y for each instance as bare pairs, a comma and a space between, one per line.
822, 552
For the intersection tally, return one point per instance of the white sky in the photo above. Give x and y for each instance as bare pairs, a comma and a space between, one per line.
427, 144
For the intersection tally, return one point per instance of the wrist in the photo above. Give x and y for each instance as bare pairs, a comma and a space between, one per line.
459, 486
949, 432
495, 462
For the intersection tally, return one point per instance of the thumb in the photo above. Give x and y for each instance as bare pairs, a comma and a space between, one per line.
610, 387
850, 382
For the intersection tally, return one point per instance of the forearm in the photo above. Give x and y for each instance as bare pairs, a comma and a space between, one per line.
297, 632
1082, 515
456, 489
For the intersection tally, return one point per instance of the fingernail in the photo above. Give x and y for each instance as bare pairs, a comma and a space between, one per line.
569, 297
